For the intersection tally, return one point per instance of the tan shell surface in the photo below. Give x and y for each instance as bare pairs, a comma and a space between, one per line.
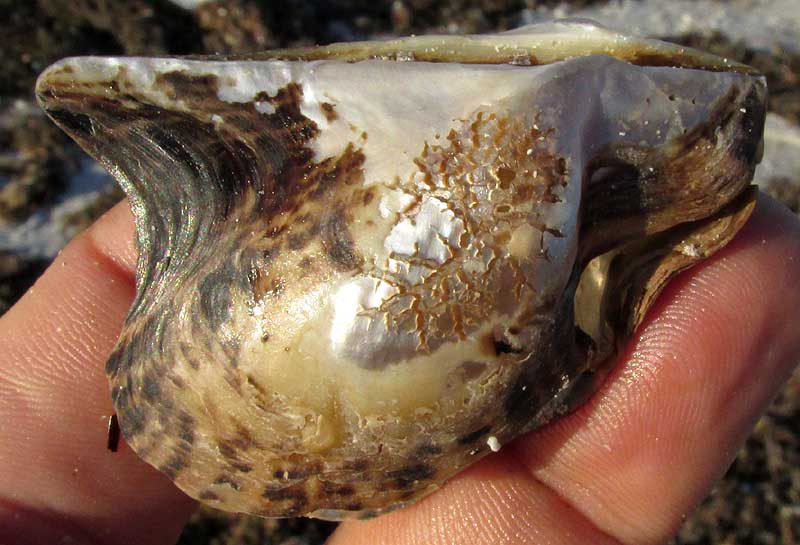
357, 278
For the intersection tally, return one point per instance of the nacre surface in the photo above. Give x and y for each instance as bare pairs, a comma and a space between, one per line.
364, 267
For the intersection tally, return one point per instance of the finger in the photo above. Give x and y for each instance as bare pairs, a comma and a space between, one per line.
495, 502
58, 476
644, 450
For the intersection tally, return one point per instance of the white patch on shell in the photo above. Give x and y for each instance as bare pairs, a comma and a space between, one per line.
349, 302
524, 242
493, 443
431, 234
394, 201
264, 107
243, 80
689, 249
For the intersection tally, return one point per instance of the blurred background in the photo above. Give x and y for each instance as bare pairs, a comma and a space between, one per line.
50, 191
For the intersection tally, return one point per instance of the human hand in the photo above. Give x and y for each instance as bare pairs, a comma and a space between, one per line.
624, 468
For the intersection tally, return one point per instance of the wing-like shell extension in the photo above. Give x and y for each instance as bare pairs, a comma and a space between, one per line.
360, 275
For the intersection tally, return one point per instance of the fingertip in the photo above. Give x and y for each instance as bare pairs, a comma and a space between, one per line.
113, 236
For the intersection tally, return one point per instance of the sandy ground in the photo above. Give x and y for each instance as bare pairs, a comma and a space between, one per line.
49, 191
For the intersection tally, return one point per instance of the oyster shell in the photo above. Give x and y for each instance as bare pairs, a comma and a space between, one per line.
358, 275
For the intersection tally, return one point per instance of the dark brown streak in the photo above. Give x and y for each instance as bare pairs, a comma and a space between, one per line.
112, 440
